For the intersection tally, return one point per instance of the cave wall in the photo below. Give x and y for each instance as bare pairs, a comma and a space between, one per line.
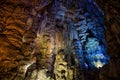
14, 49
18, 21
12, 26
112, 21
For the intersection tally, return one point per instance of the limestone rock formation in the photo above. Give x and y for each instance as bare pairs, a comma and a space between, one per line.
112, 21
59, 40
61, 69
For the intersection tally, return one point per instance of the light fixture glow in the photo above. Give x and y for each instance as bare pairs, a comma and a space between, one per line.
98, 64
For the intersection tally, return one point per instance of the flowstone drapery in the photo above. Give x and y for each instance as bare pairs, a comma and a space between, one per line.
78, 30
62, 40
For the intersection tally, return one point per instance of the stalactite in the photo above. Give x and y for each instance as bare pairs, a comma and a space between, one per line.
62, 40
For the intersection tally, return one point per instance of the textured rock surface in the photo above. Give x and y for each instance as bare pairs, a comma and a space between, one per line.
30, 39
61, 69
12, 26
112, 21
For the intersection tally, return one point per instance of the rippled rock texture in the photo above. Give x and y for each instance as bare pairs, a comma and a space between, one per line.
59, 40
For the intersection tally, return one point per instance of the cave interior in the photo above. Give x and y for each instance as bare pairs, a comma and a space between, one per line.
59, 40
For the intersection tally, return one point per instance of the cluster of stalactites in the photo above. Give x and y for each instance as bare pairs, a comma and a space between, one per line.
86, 21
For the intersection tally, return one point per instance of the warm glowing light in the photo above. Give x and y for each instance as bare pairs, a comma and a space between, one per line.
98, 64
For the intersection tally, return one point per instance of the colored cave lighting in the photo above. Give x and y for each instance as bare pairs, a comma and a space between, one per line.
98, 64
86, 24
100, 61
95, 54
